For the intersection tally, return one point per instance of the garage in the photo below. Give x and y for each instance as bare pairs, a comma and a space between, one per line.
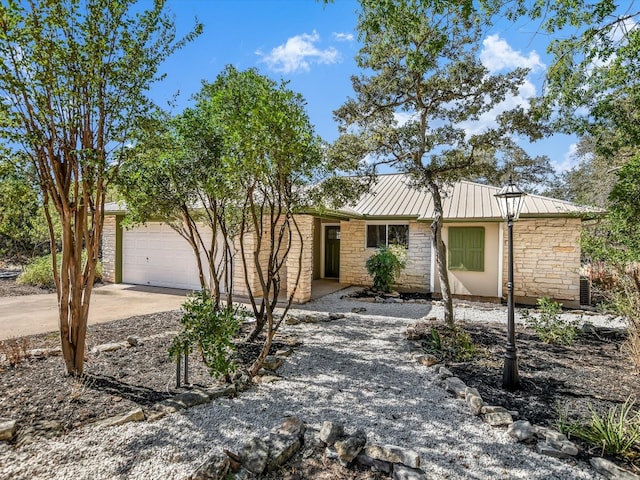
154, 254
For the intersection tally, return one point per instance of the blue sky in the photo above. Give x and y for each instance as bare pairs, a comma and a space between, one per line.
313, 47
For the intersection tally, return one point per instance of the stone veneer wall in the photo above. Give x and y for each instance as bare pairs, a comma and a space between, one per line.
109, 248
546, 260
354, 254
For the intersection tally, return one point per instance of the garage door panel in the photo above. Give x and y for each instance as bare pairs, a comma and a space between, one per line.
156, 255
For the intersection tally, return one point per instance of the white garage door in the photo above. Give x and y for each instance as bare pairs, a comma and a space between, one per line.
154, 254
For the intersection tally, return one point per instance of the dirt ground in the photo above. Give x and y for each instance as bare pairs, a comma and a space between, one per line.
593, 373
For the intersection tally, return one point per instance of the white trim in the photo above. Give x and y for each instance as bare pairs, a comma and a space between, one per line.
500, 257
323, 235
432, 267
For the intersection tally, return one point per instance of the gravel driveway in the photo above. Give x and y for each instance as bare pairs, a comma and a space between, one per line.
355, 370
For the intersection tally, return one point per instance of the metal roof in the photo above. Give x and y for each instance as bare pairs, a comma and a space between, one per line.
392, 196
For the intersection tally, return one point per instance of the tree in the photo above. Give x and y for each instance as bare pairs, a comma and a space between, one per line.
425, 69
23, 229
72, 79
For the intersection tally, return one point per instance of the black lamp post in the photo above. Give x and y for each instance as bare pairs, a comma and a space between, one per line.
510, 199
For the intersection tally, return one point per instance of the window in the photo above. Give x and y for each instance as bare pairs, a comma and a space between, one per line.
379, 235
466, 248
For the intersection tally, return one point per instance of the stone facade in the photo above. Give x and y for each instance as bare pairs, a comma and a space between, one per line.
354, 254
109, 248
546, 260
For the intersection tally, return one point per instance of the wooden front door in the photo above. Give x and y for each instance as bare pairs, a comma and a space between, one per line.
332, 252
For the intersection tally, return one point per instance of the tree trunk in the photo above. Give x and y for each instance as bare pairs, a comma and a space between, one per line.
441, 254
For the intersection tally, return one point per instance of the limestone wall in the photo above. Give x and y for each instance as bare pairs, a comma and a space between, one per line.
546, 260
109, 248
354, 254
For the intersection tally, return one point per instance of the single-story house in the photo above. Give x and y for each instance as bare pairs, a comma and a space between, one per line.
337, 245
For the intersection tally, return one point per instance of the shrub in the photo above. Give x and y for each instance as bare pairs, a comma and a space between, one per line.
452, 344
385, 265
616, 433
39, 272
15, 350
548, 324
211, 329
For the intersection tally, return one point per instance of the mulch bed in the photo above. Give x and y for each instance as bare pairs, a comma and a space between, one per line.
593, 373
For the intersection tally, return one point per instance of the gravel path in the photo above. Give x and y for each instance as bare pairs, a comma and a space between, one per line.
356, 371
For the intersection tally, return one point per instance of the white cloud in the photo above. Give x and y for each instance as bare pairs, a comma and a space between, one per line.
298, 53
498, 55
343, 37
569, 159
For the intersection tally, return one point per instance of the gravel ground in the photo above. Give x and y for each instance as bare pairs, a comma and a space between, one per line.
356, 371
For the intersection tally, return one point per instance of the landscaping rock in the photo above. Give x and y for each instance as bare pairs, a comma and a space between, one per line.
187, 399
545, 449
135, 415
444, 373
292, 426
330, 432
282, 446
427, 360
228, 390
455, 385
312, 439
286, 352
109, 347
134, 340
474, 400
349, 447
610, 470
7, 429
373, 463
565, 446
498, 419
522, 431
254, 455
402, 472
216, 467
393, 454
272, 362
42, 429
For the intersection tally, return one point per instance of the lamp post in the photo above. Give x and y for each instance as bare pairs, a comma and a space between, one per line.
510, 200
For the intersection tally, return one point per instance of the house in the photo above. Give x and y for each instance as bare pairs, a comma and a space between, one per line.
337, 245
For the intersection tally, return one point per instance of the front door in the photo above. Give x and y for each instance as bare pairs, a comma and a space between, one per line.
332, 252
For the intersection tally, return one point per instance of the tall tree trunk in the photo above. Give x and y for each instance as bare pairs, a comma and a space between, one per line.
441, 253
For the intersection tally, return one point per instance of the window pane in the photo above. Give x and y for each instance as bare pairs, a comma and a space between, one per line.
376, 235
399, 235
466, 248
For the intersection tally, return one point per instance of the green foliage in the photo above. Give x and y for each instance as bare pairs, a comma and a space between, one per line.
616, 432
548, 324
450, 344
385, 265
211, 329
39, 272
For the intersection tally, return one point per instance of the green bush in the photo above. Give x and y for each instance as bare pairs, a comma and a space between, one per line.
385, 265
39, 272
211, 329
450, 344
548, 324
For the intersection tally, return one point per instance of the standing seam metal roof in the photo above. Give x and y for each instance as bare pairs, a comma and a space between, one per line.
392, 196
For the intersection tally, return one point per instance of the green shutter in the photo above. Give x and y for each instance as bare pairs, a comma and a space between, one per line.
466, 248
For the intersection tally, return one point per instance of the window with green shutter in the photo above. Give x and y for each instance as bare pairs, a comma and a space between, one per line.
466, 248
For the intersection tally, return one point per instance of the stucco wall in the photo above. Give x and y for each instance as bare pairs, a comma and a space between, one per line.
483, 284
354, 254
546, 260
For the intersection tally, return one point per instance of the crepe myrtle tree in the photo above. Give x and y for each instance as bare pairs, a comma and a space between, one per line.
422, 66
73, 76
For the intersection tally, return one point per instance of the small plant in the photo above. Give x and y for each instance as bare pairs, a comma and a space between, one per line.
385, 265
453, 344
616, 433
15, 350
211, 330
39, 272
549, 326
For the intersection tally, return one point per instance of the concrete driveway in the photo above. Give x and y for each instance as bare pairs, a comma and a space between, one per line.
32, 314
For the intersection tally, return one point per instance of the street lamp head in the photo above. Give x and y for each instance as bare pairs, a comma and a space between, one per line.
510, 200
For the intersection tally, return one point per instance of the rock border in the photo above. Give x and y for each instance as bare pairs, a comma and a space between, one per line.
547, 441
